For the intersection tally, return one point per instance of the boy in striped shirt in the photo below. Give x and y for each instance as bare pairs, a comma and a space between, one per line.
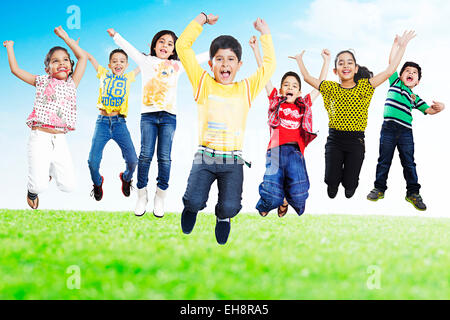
396, 132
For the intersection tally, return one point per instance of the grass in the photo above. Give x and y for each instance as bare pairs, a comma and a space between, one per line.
120, 256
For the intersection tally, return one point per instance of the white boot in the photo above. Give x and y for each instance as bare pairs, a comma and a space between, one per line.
158, 209
141, 204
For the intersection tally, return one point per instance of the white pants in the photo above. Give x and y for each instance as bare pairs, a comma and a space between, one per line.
49, 156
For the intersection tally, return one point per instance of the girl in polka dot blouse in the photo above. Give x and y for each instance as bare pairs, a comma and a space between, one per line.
54, 114
347, 103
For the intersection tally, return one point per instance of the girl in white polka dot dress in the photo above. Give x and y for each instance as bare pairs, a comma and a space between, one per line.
54, 114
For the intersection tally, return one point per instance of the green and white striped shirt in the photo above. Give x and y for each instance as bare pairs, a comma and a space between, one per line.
400, 101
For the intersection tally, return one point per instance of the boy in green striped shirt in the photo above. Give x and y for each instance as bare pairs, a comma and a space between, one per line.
396, 132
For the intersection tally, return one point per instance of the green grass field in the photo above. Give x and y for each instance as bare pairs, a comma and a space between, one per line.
120, 256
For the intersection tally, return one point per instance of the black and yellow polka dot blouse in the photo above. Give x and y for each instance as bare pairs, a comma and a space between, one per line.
347, 108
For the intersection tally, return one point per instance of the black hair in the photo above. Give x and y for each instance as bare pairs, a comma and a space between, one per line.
117, 51
161, 33
363, 72
49, 55
413, 65
291, 74
225, 42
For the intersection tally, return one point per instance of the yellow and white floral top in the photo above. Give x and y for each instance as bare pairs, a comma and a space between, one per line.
159, 78
222, 109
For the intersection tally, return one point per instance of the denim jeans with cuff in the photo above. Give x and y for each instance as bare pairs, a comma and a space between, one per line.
115, 128
285, 177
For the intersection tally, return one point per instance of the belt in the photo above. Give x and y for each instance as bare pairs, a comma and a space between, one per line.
235, 154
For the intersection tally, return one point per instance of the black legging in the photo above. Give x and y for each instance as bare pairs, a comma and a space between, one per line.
344, 155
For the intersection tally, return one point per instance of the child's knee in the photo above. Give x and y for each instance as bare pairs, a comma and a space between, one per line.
194, 204
93, 163
67, 186
228, 210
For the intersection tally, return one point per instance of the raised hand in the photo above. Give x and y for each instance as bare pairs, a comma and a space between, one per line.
326, 55
111, 32
8, 44
261, 26
212, 19
298, 56
405, 38
253, 42
60, 32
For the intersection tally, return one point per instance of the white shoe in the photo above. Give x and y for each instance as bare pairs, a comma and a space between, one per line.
158, 209
141, 204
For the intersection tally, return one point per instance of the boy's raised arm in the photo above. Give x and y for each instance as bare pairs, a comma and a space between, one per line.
184, 47
80, 54
255, 47
19, 73
262, 76
313, 82
93, 61
323, 73
397, 55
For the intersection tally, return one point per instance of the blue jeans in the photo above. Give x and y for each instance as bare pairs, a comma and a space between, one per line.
229, 175
107, 128
285, 177
156, 125
394, 135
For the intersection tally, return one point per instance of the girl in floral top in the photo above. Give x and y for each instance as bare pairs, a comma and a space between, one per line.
54, 114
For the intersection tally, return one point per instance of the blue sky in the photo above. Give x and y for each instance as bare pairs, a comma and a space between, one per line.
367, 26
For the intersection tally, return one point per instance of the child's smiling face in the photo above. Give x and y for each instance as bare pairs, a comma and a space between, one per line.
225, 65
290, 88
60, 65
165, 46
118, 63
346, 67
410, 77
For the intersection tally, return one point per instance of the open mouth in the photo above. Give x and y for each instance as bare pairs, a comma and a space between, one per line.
409, 78
289, 95
225, 74
62, 70
118, 70
163, 51
346, 72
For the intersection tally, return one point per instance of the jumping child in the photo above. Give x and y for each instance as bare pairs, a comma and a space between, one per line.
347, 104
223, 106
161, 70
290, 121
111, 124
54, 114
396, 132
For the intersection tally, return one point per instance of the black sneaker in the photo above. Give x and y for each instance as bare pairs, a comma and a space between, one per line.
188, 220
416, 200
222, 231
332, 191
97, 191
126, 186
375, 195
349, 193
